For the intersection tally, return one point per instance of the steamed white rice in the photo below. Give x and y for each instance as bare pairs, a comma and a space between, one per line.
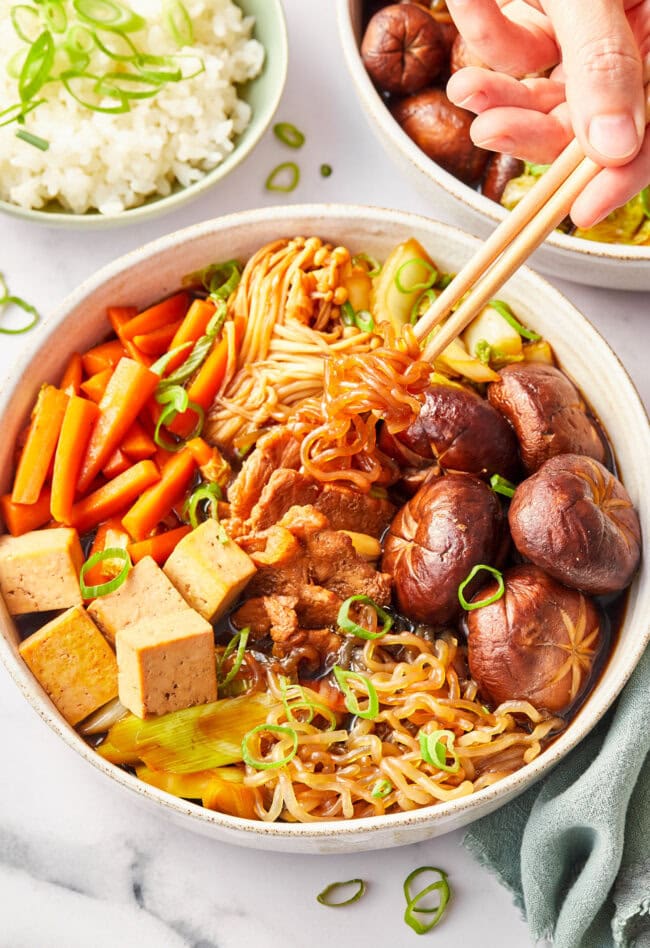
112, 162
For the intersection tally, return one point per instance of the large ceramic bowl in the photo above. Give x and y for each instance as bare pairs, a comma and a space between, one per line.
157, 269
616, 266
262, 94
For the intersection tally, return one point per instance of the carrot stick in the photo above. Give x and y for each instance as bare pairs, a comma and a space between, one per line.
119, 316
111, 498
40, 445
157, 341
168, 311
159, 547
21, 518
127, 391
191, 329
95, 386
116, 464
72, 376
158, 500
137, 443
80, 416
108, 534
104, 356
200, 451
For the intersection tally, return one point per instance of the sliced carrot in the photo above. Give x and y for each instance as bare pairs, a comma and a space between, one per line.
207, 382
158, 500
39, 448
104, 356
157, 341
159, 547
72, 376
168, 311
21, 518
95, 386
110, 533
116, 464
80, 416
191, 329
116, 495
119, 316
127, 391
137, 443
200, 451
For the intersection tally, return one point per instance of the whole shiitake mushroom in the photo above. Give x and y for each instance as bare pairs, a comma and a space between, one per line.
441, 130
575, 520
450, 525
500, 169
537, 643
547, 413
403, 49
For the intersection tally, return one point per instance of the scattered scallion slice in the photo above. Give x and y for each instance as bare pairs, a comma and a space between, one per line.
37, 66
428, 295
288, 170
434, 751
20, 14
31, 139
469, 606
373, 265
178, 22
441, 886
483, 351
500, 485
175, 401
238, 641
8, 299
103, 589
346, 624
109, 15
161, 364
504, 310
381, 789
431, 279
220, 280
210, 492
54, 15
260, 763
362, 319
325, 897
343, 678
325, 171
288, 134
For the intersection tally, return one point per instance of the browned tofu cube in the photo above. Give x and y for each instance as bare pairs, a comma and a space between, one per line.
74, 664
40, 570
208, 573
166, 663
146, 593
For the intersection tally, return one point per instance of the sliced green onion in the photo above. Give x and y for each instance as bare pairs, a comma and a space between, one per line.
374, 266
433, 275
325, 171
113, 553
416, 311
71, 76
238, 641
37, 66
444, 279
288, 134
160, 69
483, 351
21, 109
175, 401
294, 698
504, 310
346, 624
441, 886
348, 314
535, 170
109, 15
7, 299
178, 22
210, 492
126, 85
260, 763
325, 897
161, 364
645, 200
55, 16
434, 751
220, 280
469, 606
127, 52
343, 678
21, 29
31, 139
364, 320
500, 485
381, 789
288, 170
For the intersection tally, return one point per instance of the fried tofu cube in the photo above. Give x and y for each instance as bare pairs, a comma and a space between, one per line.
40, 570
209, 573
74, 664
146, 593
166, 663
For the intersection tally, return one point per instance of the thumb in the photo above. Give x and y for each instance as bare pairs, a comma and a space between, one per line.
604, 77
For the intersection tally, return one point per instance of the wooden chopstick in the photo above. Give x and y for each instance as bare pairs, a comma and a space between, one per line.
514, 240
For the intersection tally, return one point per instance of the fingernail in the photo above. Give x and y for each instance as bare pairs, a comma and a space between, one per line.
506, 145
476, 102
614, 136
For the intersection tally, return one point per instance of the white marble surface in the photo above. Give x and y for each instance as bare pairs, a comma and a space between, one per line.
81, 862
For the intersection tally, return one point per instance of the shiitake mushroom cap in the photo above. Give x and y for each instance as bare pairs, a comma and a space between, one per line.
403, 49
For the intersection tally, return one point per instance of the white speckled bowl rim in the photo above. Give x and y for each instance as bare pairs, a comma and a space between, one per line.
156, 206
367, 225
376, 108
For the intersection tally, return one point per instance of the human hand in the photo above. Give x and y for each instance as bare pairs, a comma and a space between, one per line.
595, 92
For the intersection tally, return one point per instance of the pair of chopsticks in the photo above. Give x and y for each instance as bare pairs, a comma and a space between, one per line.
536, 216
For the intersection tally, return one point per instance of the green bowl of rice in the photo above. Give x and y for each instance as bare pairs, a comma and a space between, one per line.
100, 153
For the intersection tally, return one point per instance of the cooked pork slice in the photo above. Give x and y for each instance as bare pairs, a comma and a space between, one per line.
268, 614
276, 449
346, 509
317, 646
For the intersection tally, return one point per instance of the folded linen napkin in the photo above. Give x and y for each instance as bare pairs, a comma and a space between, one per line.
574, 850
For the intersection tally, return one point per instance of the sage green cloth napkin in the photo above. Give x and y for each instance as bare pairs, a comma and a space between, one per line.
574, 850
